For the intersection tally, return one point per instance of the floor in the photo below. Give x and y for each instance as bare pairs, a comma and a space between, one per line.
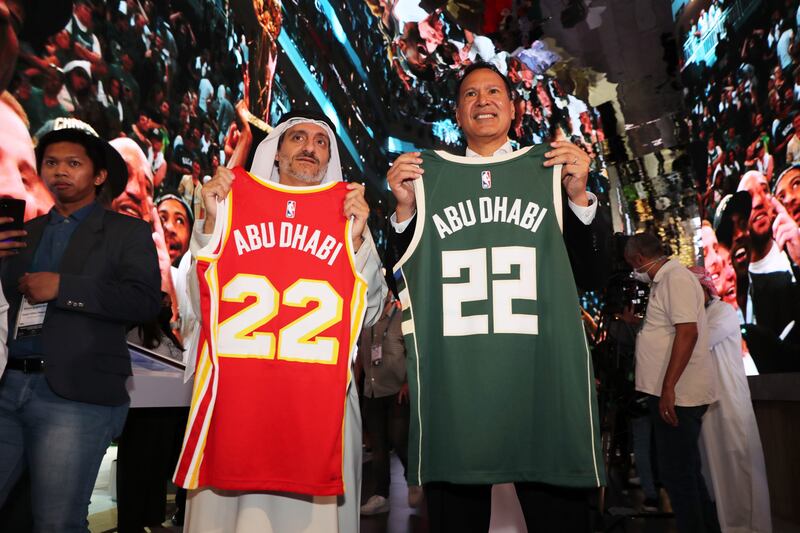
103, 507
506, 514
401, 518
621, 515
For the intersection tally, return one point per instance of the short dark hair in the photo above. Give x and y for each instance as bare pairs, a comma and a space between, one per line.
172, 194
97, 156
646, 244
791, 168
93, 151
478, 66
146, 111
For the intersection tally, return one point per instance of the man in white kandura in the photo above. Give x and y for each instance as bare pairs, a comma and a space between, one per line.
303, 139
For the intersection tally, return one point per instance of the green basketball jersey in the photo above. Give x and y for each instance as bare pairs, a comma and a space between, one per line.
499, 369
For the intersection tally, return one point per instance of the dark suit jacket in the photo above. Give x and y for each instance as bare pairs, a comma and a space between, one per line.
109, 279
587, 247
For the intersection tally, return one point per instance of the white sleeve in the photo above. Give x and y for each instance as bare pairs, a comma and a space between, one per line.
199, 239
368, 264
188, 293
400, 227
192, 288
684, 297
585, 214
722, 322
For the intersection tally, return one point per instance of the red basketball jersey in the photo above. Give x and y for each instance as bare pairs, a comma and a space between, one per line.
282, 306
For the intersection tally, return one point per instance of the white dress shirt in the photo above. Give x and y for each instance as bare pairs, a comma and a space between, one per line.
793, 150
584, 214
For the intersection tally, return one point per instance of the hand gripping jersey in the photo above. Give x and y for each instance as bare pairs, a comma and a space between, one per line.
282, 306
499, 369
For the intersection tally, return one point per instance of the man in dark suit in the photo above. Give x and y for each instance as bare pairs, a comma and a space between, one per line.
84, 275
586, 236
485, 111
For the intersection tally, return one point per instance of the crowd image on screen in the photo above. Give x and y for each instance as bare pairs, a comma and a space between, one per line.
160, 80
427, 50
705, 31
744, 117
140, 70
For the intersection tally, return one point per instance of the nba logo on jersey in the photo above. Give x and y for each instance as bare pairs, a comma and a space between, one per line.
486, 179
290, 205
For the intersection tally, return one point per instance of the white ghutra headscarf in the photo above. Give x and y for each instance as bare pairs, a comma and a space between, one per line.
264, 160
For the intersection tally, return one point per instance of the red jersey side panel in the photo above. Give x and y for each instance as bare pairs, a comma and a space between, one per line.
281, 306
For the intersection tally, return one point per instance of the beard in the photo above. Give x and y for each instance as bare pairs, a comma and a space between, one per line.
760, 242
307, 177
285, 166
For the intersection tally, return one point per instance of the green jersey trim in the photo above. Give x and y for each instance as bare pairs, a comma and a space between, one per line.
589, 385
408, 328
464, 160
419, 193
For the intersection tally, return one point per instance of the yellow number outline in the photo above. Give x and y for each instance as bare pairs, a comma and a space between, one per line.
307, 337
248, 333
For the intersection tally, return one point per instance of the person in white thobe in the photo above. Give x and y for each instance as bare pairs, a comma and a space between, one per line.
213, 511
730, 445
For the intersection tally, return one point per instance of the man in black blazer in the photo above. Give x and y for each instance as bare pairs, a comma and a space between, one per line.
84, 275
484, 112
586, 236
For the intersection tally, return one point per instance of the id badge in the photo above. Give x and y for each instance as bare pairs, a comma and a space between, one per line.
377, 355
29, 319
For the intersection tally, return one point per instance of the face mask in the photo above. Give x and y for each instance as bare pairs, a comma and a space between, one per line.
644, 277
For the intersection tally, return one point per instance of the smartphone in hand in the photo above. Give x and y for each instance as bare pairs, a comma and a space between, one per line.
15, 209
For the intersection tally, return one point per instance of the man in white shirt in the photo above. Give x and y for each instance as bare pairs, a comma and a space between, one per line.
796, 89
674, 367
793, 147
308, 157
784, 42
205, 90
80, 28
772, 229
774, 294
